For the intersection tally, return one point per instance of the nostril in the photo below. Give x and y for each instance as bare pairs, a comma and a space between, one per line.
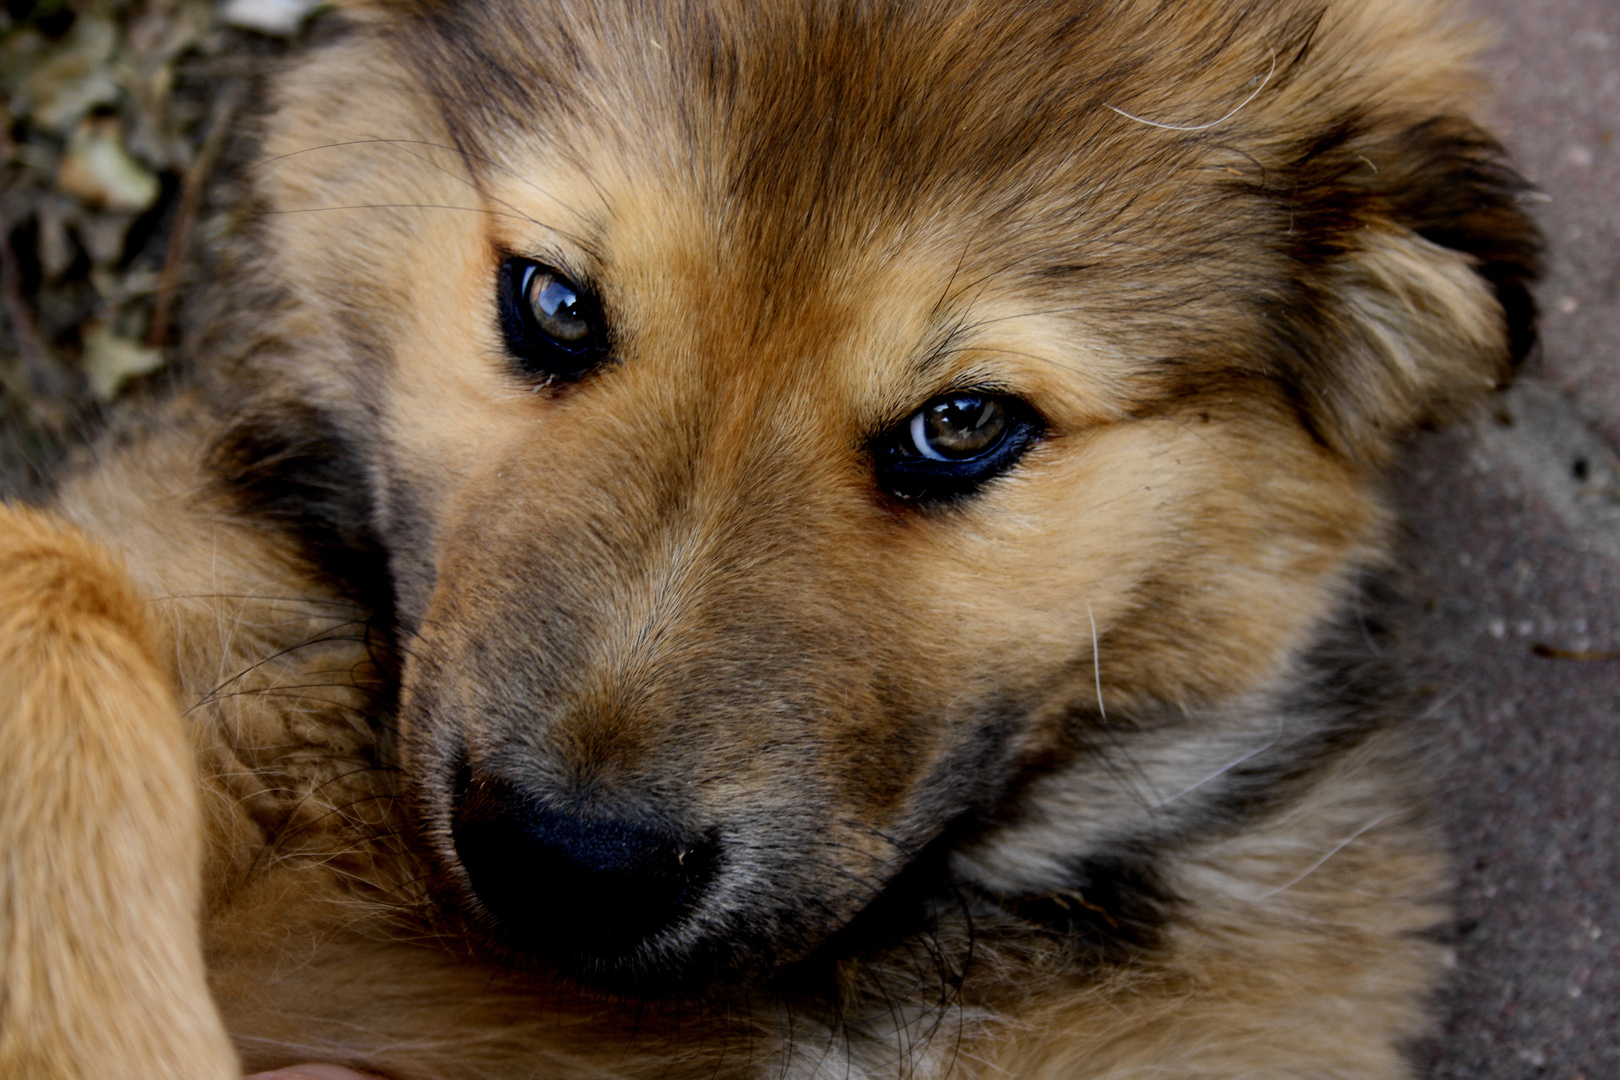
567, 881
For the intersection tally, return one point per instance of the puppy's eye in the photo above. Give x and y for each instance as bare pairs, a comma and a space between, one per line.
958, 428
953, 444
552, 325
556, 307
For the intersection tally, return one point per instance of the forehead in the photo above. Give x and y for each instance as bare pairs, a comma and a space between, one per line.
970, 186
810, 131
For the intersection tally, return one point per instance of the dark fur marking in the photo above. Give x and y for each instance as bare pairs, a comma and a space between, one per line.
1352, 686
293, 467
1114, 907
1460, 192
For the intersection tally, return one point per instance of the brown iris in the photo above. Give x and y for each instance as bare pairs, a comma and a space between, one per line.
556, 307
959, 427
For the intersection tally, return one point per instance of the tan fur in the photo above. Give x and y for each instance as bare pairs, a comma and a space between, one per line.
100, 969
1207, 241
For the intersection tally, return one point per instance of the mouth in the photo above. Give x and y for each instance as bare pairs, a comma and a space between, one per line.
706, 819
626, 901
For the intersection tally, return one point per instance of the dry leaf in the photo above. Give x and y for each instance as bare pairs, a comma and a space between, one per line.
281, 18
71, 78
111, 360
98, 170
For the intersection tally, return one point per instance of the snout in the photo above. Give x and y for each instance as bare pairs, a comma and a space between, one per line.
663, 739
567, 881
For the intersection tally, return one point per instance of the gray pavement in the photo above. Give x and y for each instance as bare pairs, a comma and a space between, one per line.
1514, 544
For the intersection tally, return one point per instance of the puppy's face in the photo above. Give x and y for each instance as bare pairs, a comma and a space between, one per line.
789, 427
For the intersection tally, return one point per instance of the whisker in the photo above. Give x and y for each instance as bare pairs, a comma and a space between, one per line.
1096, 662
266, 597
1213, 123
466, 155
391, 206
317, 639
575, 238
1332, 851
1228, 767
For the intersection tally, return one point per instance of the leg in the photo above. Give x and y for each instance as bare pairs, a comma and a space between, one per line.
101, 970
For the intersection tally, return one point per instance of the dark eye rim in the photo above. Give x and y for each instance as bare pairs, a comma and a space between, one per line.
535, 352
911, 478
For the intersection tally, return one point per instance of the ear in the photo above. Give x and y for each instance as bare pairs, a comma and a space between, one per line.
1417, 258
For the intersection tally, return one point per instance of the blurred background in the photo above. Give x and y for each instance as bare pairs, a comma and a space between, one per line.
115, 117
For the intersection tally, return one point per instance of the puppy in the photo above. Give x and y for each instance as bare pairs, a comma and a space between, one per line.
734, 539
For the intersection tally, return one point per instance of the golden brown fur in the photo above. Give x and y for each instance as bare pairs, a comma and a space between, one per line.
98, 820
1086, 773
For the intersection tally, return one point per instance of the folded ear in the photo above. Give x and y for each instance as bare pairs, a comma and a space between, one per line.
1417, 260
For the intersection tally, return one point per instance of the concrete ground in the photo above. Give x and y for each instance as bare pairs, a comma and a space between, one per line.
1515, 551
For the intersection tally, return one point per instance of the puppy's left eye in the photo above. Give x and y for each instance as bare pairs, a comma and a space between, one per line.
553, 325
954, 444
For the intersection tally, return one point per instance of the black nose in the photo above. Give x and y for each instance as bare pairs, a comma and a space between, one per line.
569, 884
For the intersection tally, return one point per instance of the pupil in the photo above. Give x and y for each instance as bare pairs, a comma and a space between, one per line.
556, 307
965, 426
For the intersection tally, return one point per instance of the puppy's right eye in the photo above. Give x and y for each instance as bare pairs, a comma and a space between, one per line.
552, 325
